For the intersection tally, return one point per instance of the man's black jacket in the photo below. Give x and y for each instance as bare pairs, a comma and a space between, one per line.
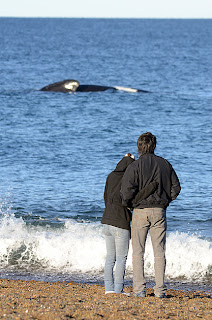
141, 173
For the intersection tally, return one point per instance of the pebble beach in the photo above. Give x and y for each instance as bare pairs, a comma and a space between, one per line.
21, 299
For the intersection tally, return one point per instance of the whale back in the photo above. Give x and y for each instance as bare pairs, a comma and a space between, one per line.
90, 87
71, 85
68, 85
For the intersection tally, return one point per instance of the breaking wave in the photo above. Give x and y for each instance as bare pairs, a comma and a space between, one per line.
79, 247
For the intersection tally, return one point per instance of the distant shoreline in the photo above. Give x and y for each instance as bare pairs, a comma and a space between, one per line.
105, 18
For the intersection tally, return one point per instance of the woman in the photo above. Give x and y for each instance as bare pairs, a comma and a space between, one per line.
116, 220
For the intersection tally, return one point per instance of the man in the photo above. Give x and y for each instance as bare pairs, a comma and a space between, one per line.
149, 214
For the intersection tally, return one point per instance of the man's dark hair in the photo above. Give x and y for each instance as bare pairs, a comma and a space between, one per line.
146, 143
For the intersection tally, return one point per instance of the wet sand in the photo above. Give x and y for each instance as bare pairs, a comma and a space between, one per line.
62, 300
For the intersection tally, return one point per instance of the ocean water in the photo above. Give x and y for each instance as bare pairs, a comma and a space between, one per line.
57, 149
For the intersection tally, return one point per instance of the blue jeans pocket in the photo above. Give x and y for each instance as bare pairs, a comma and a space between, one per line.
106, 230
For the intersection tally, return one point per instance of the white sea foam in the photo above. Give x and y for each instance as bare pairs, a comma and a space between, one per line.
80, 247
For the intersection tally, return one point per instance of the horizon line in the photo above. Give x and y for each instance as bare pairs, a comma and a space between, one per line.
64, 17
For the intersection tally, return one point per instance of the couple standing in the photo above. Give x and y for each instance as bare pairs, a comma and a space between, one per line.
147, 185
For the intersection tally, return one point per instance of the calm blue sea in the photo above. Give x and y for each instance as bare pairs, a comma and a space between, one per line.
57, 149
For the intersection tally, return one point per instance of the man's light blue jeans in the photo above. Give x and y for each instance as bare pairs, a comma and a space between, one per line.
117, 245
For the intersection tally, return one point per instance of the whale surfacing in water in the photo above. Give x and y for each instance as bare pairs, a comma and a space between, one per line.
62, 86
71, 85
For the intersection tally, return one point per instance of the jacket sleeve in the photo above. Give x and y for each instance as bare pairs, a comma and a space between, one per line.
129, 186
105, 191
145, 193
175, 188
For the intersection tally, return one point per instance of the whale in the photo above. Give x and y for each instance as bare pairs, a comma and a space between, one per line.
71, 85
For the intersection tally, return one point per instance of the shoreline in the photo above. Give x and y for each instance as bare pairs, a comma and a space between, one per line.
20, 299
175, 284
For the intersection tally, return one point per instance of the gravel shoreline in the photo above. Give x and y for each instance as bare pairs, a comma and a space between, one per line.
21, 299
